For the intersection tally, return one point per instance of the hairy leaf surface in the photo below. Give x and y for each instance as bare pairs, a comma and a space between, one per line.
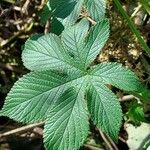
32, 96
104, 108
61, 75
115, 74
97, 38
46, 52
73, 38
67, 124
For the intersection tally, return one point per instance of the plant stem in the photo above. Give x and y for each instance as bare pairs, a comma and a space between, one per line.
132, 26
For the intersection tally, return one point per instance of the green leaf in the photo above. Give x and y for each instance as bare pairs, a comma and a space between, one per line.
73, 16
45, 14
56, 26
62, 8
115, 74
143, 93
32, 96
96, 8
66, 12
54, 92
104, 108
97, 38
46, 52
43, 52
136, 113
73, 38
67, 122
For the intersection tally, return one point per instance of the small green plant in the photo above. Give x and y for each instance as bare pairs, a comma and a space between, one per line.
64, 90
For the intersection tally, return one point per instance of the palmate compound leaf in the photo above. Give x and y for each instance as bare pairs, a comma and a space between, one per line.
37, 96
67, 122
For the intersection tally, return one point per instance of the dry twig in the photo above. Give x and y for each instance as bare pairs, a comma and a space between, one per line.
47, 27
90, 147
112, 143
27, 27
93, 22
127, 98
25, 7
106, 140
136, 11
21, 129
11, 68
